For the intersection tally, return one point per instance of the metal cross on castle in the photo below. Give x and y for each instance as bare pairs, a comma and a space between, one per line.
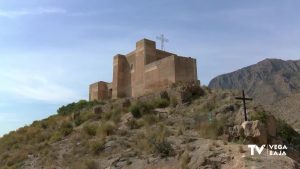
244, 103
162, 40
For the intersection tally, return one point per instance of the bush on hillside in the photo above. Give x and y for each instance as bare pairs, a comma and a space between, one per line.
157, 138
162, 147
66, 128
90, 129
107, 128
75, 107
82, 117
135, 111
96, 146
161, 103
286, 132
154, 140
261, 116
141, 108
114, 115
56, 136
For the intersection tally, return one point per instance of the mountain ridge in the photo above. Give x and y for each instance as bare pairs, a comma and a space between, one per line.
267, 81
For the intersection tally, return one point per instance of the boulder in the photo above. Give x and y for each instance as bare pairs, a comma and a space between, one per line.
255, 132
124, 120
236, 131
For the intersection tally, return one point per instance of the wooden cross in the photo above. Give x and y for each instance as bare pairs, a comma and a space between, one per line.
162, 40
244, 103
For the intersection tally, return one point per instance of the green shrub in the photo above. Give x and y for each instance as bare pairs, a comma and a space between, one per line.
81, 117
114, 115
154, 140
163, 148
157, 138
286, 132
261, 116
96, 146
161, 103
66, 128
135, 111
90, 129
141, 108
78, 121
56, 136
75, 107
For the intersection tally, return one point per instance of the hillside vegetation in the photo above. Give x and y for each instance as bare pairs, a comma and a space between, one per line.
155, 133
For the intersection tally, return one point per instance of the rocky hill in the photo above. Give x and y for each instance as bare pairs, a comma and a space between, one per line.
267, 81
288, 109
200, 130
271, 82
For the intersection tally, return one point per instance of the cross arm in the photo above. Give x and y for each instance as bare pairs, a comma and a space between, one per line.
241, 98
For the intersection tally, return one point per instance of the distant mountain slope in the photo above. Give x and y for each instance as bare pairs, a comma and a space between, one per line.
288, 109
267, 81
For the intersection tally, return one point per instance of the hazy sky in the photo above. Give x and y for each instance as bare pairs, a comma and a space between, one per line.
51, 50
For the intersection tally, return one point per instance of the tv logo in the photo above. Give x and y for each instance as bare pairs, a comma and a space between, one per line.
272, 150
259, 150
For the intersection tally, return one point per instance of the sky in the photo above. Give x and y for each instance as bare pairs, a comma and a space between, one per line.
51, 50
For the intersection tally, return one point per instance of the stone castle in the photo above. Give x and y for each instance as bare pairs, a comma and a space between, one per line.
144, 70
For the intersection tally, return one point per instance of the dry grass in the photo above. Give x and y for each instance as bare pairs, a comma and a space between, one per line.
91, 164
211, 130
96, 146
106, 128
90, 129
184, 160
154, 140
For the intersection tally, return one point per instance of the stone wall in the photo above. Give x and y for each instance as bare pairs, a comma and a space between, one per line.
121, 85
185, 69
159, 74
98, 91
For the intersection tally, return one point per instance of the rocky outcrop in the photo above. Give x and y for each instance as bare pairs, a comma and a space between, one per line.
255, 131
